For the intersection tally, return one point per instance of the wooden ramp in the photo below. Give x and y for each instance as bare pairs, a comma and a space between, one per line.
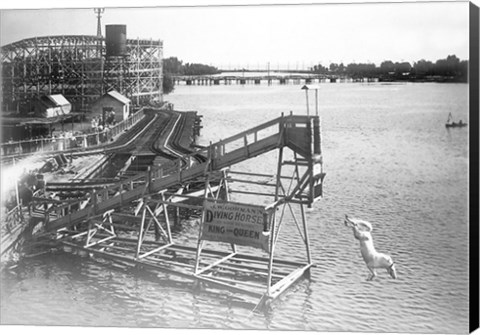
295, 132
244, 236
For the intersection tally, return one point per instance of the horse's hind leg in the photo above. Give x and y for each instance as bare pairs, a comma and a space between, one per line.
373, 274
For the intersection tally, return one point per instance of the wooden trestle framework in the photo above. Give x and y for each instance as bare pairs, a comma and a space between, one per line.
77, 67
141, 205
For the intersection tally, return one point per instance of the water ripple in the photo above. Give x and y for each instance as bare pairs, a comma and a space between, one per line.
388, 160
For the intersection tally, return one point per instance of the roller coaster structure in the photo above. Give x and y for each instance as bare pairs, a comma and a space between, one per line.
77, 67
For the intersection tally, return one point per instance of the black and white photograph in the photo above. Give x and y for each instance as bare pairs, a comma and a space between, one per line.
263, 165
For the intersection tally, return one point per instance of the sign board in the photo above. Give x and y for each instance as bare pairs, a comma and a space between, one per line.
236, 223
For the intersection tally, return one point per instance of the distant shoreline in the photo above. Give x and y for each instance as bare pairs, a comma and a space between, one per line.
447, 80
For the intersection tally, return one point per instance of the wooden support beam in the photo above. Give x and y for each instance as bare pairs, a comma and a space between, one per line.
148, 253
216, 263
88, 245
167, 220
252, 193
258, 174
261, 183
237, 267
177, 204
236, 282
286, 282
116, 247
295, 163
167, 236
248, 291
192, 195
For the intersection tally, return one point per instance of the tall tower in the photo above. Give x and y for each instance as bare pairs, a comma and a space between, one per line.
99, 12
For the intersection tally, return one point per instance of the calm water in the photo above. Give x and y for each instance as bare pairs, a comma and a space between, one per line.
389, 160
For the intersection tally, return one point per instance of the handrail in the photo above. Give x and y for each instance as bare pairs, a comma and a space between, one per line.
249, 131
163, 177
83, 141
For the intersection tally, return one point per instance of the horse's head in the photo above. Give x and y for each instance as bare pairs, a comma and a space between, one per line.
348, 222
359, 224
392, 271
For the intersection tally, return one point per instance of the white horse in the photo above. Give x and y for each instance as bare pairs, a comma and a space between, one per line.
373, 259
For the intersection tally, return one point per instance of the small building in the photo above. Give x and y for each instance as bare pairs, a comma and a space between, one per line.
49, 106
112, 104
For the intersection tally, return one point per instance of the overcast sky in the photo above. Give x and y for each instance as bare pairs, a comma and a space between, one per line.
297, 36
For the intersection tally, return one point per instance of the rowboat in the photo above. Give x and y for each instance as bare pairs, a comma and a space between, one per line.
451, 124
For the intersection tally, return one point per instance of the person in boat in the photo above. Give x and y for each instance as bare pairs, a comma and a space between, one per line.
450, 118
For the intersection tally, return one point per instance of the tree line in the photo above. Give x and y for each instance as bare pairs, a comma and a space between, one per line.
174, 67
451, 69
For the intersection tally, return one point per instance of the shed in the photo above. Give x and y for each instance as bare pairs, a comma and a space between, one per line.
49, 106
112, 102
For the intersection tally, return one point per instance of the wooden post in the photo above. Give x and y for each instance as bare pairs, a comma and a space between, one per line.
272, 251
310, 135
149, 179
273, 223
304, 218
316, 136
305, 233
200, 230
140, 231
306, 95
227, 197
176, 217
95, 201
245, 144
165, 212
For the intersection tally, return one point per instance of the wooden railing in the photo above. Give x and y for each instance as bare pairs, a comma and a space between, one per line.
75, 142
247, 144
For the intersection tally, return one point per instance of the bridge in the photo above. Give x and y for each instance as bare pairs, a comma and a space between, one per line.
246, 78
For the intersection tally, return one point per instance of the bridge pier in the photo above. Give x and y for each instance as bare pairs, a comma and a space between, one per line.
240, 80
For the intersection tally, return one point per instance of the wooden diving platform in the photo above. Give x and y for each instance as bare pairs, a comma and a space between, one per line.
242, 238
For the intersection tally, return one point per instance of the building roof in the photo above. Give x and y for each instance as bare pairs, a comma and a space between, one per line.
58, 99
55, 100
117, 96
